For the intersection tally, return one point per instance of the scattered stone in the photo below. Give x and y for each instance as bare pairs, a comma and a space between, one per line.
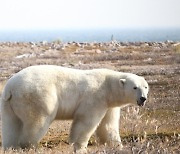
26, 55
98, 51
147, 60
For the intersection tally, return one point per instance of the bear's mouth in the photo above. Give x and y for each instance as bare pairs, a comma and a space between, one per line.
139, 103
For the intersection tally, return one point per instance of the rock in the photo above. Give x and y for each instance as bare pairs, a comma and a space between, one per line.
98, 51
26, 55
147, 60
176, 44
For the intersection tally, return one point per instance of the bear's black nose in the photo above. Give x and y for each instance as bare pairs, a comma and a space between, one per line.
143, 99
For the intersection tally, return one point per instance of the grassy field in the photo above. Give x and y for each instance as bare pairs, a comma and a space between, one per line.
154, 128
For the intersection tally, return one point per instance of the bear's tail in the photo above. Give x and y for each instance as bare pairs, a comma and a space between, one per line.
6, 94
10, 123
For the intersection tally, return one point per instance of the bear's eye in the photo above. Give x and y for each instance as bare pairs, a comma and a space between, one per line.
145, 87
135, 87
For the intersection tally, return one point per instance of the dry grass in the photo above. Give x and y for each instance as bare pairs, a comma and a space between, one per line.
177, 48
2, 84
153, 129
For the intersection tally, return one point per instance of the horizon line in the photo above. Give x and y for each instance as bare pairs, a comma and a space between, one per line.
89, 28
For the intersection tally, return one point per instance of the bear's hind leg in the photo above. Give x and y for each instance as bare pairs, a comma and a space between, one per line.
11, 127
33, 132
108, 130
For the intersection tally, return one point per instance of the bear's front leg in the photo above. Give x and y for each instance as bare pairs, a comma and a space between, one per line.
85, 122
108, 130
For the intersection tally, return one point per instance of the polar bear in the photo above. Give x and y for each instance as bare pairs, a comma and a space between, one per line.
37, 95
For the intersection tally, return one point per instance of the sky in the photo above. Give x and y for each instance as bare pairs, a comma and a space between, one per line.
89, 14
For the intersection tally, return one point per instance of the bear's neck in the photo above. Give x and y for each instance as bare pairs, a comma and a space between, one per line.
115, 94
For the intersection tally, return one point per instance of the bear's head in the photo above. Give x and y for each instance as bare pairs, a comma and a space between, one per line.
135, 89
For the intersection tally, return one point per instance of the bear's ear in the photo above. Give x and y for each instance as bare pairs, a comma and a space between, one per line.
122, 82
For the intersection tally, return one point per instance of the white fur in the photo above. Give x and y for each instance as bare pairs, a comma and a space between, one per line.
37, 95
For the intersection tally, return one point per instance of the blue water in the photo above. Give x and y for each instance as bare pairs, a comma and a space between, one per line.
93, 35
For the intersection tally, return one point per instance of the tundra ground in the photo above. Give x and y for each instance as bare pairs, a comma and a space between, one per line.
154, 128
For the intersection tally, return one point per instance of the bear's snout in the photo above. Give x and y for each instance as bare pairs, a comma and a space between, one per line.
142, 101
